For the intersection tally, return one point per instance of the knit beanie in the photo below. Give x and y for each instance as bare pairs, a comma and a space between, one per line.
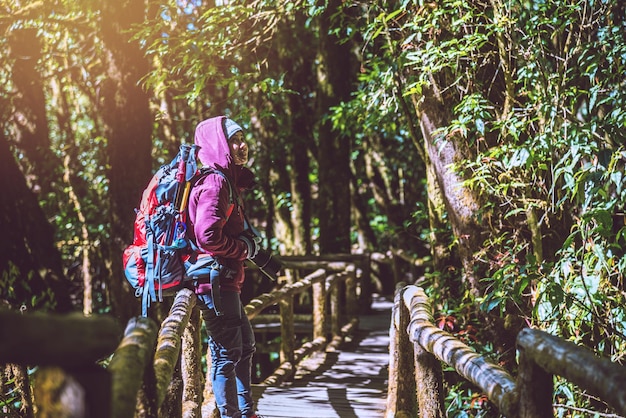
231, 128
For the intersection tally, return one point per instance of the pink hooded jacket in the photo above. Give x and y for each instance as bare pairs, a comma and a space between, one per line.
214, 222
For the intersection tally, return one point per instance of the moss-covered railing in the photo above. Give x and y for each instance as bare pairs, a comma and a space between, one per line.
156, 369
418, 348
179, 337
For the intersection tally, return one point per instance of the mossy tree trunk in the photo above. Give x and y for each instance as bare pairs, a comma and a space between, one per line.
461, 203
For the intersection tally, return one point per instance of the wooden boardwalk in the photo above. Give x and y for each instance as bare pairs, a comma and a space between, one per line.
350, 382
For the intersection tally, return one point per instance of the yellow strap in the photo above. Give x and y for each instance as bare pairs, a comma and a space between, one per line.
183, 203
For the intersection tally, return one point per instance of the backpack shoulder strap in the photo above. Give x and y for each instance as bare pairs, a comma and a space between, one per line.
231, 189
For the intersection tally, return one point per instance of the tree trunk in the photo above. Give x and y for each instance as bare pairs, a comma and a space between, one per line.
128, 128
461, 203
62, 96
336, 80
462, 206
365, 234
30, 125
299, 76
28, 236
30, 262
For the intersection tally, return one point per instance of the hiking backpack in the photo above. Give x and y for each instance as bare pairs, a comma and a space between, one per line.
154, 264
162, 258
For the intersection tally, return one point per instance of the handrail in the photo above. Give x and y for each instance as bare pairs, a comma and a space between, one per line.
137, 350
170, 341
143, 367
130, 360
66, 349
555, 356
542, 356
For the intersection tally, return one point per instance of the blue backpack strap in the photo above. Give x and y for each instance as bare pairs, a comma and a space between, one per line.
145, 302
149, 293
191, 163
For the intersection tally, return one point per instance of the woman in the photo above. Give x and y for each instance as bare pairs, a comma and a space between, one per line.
217, 223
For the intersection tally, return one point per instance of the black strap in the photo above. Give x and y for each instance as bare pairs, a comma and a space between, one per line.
217, 268
205, 171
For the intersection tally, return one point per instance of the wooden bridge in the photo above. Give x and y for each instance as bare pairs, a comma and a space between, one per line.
365, 356
347, 381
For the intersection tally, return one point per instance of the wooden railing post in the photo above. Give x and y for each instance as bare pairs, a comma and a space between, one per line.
494, 380
169, 341
128, 364
392, 381
191, 366
401, 400
319, 307
535, 388
335, 306
352, 303
287, 333
366, 284
428, 373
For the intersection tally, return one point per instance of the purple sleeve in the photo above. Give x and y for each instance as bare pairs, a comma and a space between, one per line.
208, 211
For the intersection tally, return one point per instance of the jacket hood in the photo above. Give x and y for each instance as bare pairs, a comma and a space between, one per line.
212, 139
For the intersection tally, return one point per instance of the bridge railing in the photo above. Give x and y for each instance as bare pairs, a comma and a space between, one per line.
418, 348
66, 350
145, 374
158, 368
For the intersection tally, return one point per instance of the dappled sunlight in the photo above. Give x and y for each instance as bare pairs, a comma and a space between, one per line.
349, 382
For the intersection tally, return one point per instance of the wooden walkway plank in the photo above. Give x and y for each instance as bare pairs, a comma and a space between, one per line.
350, 382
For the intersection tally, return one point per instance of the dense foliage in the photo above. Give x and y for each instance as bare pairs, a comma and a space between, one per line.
537, 96
532, 102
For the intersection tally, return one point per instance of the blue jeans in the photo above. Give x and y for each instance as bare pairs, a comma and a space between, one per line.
232, 344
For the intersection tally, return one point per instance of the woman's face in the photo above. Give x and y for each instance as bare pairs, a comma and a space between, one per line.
238, 148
